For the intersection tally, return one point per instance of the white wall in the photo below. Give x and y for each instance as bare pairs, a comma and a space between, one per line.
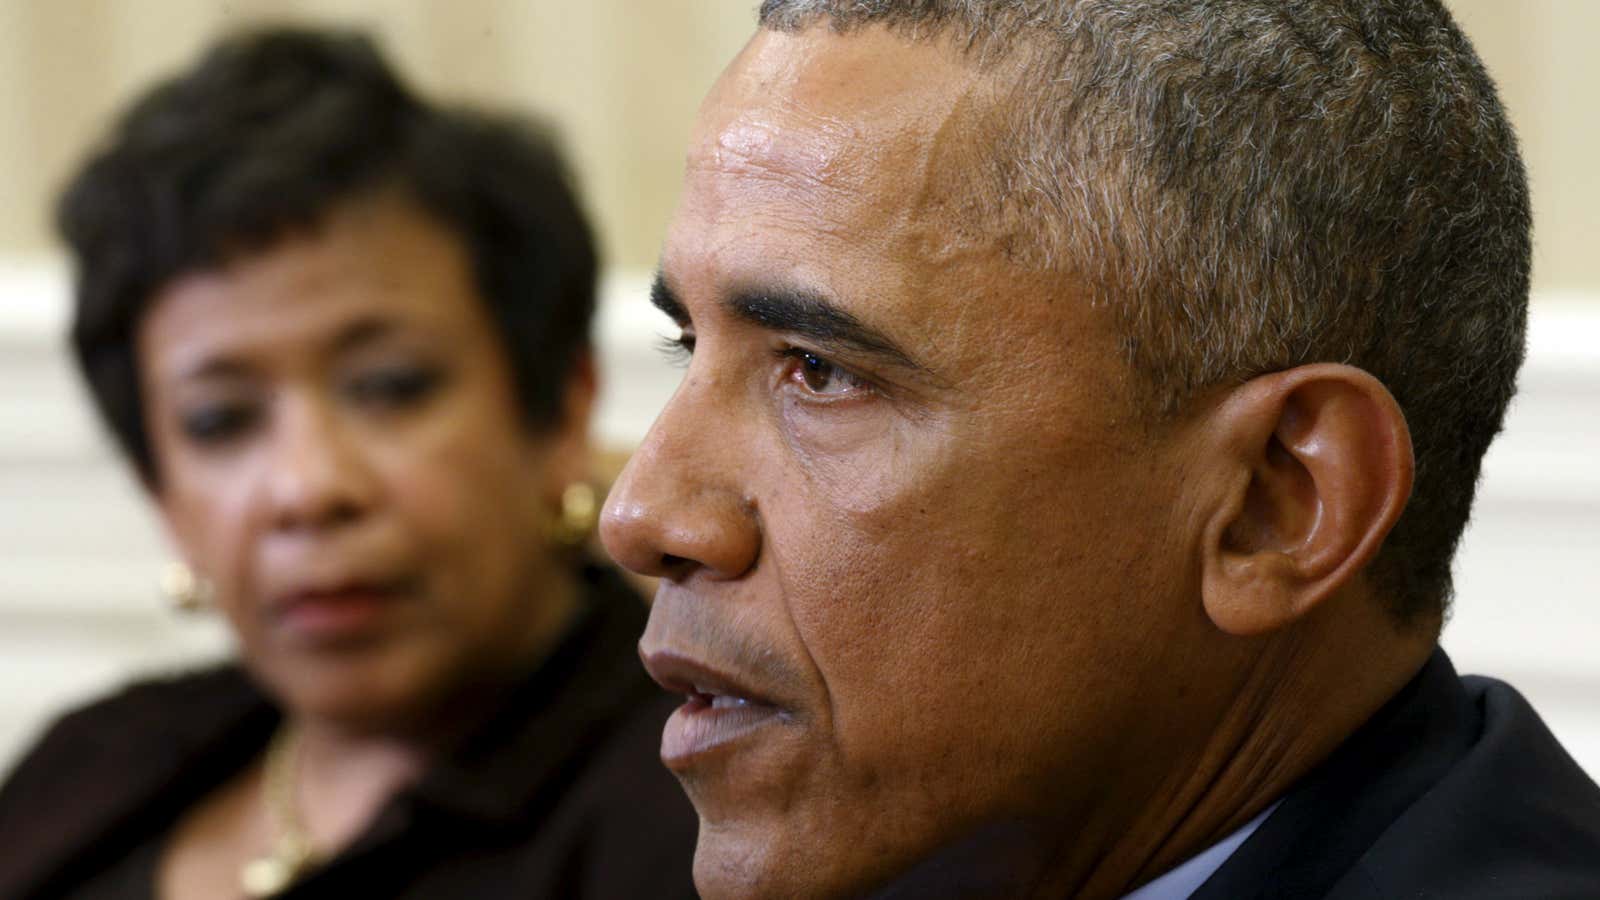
80, 552
1528, 572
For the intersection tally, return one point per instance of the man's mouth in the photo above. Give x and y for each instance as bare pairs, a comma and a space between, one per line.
701, 698
718, 711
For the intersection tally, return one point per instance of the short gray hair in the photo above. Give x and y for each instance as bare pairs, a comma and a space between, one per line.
1253, 185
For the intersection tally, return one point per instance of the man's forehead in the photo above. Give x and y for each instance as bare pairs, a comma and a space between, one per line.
845, 164
829, 107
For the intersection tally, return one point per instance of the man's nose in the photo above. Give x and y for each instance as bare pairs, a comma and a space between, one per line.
318, 474
680, 507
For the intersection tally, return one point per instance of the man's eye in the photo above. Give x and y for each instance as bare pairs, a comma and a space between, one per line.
678, 349
397, 388
822, 377
217, 423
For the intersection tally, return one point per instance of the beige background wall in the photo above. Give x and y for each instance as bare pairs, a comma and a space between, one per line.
623, 78
1543, 56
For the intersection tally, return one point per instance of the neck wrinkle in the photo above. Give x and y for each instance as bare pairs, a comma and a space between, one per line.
1239, 770
1307, 690
1255, 753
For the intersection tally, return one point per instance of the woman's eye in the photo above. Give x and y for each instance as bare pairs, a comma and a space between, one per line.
395, 388
217, 423
822, 377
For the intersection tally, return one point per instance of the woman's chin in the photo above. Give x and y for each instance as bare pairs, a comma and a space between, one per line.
375, 692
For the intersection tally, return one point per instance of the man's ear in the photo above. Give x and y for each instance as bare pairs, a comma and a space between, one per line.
1317, 468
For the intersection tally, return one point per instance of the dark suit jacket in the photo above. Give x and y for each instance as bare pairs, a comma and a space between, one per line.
1454, 790
561, 794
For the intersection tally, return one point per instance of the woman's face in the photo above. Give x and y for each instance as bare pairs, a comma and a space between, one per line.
341, 453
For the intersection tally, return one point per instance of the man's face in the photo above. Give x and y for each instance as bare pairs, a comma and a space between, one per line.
922, 562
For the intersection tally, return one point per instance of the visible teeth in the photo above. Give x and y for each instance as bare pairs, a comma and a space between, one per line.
725, 702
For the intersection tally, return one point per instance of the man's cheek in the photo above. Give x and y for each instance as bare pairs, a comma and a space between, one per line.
885, 636
879, 475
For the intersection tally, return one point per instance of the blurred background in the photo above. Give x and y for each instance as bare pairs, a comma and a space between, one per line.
80, 553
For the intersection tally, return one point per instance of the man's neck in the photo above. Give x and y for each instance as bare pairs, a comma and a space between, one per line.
1306, 690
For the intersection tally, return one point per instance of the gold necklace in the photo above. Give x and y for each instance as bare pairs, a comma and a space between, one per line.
292, 854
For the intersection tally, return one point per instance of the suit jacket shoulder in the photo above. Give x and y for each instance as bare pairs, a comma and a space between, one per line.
1514, 817
1455, 789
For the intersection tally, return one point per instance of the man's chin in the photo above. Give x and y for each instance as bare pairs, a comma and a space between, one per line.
731, 865
745, 858
742, 861
749, 860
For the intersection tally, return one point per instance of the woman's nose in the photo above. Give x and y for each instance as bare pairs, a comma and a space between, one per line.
318, 474
680, 507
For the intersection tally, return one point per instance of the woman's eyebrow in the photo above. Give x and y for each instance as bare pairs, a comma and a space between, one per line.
362, 332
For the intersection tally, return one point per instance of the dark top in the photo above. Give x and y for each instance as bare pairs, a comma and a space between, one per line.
560, 794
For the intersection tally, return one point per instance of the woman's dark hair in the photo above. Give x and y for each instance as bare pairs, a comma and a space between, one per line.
266, 135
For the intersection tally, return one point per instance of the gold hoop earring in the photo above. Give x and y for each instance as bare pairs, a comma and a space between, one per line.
580, 511
188, 592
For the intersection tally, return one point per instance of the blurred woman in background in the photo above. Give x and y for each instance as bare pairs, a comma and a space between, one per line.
343, 337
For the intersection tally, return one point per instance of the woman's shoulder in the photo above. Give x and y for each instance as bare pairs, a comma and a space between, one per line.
140, 726
109, 759
145, 711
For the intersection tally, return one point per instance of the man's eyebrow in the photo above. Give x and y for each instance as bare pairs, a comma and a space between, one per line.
796, 311
814, 316
665, 300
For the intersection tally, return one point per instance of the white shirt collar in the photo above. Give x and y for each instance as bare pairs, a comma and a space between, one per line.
1179, 883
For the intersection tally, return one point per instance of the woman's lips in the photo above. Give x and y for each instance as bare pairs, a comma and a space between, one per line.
337, 614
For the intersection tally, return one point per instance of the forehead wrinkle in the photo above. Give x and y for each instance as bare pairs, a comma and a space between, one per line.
778, 112
796, 177
787, 144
